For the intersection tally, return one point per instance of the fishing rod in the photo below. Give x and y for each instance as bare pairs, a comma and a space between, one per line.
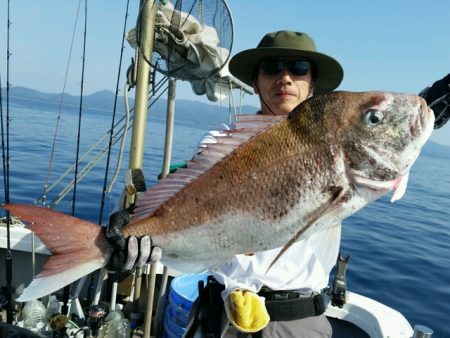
111, 134
5, 156
66, 293
60, 105
80, 110
8, 259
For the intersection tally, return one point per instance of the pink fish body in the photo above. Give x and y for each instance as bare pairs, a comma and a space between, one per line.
265, 184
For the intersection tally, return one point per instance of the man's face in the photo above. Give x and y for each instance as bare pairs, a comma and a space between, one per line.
278, 86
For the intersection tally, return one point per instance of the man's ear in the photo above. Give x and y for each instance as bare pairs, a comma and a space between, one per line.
255, 87
311, 90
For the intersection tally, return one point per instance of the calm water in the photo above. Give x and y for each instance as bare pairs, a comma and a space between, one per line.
400, 253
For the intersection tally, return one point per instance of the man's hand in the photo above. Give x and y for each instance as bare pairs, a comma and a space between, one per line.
438, 99
129, 253
132, 252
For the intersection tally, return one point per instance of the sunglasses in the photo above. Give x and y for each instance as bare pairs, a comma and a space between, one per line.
295, 67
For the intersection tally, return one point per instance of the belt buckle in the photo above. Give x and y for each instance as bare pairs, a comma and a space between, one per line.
281, 296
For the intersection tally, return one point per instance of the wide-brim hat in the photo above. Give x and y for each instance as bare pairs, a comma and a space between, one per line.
328, 71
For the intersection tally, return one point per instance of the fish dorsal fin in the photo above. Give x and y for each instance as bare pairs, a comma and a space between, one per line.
208, 154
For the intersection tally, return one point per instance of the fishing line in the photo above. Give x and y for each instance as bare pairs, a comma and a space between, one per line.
111, 134
97, 151
58, 118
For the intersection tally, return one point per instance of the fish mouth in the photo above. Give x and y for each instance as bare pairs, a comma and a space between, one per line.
423, 124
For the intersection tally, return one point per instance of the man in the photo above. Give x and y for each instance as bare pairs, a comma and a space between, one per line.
284, 69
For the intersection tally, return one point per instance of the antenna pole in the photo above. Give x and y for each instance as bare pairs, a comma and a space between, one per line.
144, 32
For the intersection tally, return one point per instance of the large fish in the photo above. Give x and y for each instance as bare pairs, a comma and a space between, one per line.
265, 184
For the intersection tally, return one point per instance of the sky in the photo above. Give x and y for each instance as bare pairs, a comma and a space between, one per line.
387, 45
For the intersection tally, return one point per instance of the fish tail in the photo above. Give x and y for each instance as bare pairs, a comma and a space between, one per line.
78, 248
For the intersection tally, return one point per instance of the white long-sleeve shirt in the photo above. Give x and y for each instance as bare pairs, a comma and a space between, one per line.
305, 266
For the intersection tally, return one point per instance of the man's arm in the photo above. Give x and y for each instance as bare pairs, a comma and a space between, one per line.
438, 99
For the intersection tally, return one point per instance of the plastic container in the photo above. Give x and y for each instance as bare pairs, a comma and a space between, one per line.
34, 314
168, 333
173, 327
182, 295
53, 307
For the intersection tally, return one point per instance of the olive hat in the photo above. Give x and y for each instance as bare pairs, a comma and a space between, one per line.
328, 72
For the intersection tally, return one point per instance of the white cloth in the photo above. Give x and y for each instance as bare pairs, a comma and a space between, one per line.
305, 266
192, 50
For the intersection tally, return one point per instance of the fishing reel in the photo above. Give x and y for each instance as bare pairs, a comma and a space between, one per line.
338, 293
438, 99
441, 110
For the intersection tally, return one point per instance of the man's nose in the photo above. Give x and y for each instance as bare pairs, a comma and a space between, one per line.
284, 76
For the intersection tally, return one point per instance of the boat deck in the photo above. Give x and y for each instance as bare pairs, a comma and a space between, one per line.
343, 329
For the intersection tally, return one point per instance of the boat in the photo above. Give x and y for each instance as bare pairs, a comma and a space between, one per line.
351, 314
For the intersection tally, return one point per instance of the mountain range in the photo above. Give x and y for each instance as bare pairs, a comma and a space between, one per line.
186, 110
103, 102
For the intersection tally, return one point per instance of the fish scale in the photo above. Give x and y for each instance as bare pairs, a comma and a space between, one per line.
267, 183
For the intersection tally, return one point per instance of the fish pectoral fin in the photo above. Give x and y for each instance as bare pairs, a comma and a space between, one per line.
337, 195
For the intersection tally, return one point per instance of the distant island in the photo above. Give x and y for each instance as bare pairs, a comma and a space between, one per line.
103, 102
204, 114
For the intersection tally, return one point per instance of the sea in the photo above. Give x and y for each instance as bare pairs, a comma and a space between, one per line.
399, 252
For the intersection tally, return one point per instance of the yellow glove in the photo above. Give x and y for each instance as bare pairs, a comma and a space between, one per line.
246, 311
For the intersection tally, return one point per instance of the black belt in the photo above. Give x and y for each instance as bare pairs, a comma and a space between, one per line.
284, 305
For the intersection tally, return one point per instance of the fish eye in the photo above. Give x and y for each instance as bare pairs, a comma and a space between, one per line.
372, 117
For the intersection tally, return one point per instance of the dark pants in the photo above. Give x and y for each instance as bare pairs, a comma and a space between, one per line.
209, 316
311, 327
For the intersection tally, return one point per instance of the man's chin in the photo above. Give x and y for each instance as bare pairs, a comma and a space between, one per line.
284, 108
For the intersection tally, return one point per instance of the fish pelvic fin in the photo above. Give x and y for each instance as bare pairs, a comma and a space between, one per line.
337, 195
78, 248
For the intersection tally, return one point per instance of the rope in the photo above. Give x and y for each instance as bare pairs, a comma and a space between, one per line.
106, 189
122, 143
58, 118
127, 124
